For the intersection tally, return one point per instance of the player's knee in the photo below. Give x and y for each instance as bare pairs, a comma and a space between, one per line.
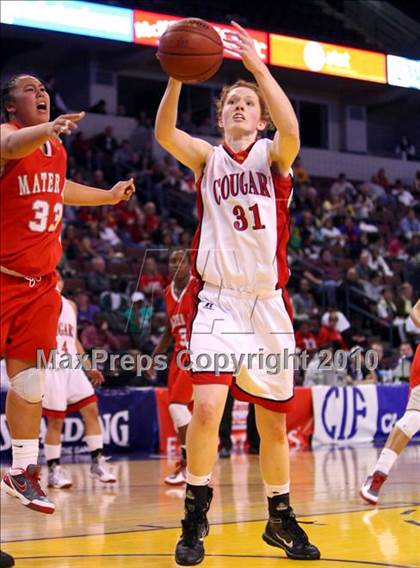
207, 414
273, 427
90, 411
414, 400
29, 385
409, 423
180, 415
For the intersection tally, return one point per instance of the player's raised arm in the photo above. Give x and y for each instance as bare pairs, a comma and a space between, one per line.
192, 152
286, 141
79, 194
17, 143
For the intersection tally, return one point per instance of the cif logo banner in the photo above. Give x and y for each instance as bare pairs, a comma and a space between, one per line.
344, 415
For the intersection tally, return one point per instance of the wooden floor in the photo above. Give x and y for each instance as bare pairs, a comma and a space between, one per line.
135, 522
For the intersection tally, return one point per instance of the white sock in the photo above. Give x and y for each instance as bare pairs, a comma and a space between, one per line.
273, 490
386, 461
198, 479
24, 452
94, 442
52, 452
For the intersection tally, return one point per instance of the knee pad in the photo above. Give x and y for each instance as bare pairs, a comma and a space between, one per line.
180, 415
414, 399
409, 423
29, 384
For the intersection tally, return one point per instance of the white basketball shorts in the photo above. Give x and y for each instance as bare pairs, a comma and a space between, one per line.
244, 341
66, 391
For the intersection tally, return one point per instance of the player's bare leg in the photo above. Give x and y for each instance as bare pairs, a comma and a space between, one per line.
22, 479
95, 442
202, 444
282, 529
57, 477
181, 417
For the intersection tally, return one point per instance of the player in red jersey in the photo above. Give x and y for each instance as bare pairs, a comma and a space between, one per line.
405, 428
244, 190
180, 305
34, 190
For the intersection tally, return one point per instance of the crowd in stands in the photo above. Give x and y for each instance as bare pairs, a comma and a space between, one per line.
354, 254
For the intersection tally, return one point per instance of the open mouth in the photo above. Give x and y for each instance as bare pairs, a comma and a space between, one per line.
238, 116
41, 106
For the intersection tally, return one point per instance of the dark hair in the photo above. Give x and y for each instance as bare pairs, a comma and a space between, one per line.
7, 91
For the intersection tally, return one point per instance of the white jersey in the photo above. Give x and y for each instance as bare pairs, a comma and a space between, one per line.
66, 329
243, 208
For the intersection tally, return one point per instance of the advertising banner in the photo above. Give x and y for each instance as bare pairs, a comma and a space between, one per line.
128, 419
344, 415
150, 26
327, 58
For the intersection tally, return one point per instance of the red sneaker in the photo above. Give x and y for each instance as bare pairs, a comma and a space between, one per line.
371, 487
25, 487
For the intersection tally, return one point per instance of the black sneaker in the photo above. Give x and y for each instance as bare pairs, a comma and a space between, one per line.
195, 527
6, 560
284, 532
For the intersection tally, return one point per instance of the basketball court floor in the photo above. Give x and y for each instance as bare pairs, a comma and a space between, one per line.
135, 523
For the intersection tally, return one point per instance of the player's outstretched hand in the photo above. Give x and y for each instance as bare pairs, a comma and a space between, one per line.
122, 191
241, 44
64, 124
95, 377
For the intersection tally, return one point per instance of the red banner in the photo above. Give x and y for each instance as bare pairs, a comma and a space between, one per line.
150, 26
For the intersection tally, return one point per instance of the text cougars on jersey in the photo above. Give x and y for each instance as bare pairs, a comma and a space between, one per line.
231, 185
186, 360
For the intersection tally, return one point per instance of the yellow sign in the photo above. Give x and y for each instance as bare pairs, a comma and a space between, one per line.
327, 58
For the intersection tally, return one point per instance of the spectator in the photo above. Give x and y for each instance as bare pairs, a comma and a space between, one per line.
305, 338
380, 178
405, 149
152, 220
342, 187
85, 309
98, 336
404, 302
403, 195
329, 334
125, 160
139, 318
382, 371
373, 288
377, 263
151, 281
410, 225
304, 305
97, 279
115, 304
107, 234
387, 310
301, 175
401, 371
330, 276
71, 243
325, 374
364, 272
330, 234
342, 323
99, 107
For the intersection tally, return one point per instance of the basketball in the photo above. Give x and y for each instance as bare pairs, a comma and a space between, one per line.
190, 51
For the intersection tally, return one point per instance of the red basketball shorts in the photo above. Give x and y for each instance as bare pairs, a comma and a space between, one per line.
29, 316
180, 385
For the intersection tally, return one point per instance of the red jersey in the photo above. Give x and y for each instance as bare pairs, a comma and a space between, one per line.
31, 208
415, 370
180, 311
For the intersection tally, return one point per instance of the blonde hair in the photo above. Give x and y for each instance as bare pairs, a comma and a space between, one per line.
224, 93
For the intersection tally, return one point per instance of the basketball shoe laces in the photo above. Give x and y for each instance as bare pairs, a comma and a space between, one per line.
33, 476
290, 524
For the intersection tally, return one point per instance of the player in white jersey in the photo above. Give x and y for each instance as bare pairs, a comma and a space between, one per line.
67, 391
244, 190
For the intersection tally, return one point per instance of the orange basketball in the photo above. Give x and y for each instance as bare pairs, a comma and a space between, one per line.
190, 51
